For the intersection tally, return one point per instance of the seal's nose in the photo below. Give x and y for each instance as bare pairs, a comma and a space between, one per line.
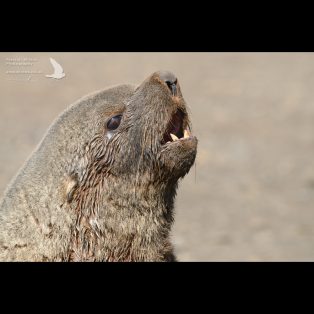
170, 79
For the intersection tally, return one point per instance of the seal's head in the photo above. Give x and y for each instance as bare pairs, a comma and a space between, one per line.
140, 136
151, 135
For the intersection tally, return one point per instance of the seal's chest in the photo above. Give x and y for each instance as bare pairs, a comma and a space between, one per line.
90, 249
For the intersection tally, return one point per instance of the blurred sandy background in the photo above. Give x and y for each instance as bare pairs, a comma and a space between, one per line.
251, 195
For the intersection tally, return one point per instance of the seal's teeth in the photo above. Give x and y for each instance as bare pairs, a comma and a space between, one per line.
186, 133
174, 138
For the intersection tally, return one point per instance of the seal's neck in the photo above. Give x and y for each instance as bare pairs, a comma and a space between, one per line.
123, 223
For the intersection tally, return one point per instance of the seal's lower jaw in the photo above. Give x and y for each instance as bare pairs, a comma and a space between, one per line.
184, 144
178, 157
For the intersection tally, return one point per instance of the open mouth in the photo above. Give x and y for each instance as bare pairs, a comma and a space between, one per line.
176, 130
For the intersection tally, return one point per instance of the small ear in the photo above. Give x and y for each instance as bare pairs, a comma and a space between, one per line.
71, 185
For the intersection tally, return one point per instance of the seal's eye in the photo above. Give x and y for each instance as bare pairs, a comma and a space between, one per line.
114, 122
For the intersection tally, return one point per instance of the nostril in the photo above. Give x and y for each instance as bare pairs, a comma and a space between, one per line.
170, 79
173, 87
169, 83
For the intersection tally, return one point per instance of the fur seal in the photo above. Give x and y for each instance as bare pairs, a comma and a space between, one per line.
101, 184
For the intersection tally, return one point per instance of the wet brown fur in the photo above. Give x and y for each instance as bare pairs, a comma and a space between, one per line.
90, 194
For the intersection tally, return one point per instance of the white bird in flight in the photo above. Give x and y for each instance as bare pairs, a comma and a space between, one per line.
58, 71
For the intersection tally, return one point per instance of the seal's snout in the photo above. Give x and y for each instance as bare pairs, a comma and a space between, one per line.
170, 79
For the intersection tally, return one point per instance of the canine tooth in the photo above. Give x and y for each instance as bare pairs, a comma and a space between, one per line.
186, 133
174, 138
